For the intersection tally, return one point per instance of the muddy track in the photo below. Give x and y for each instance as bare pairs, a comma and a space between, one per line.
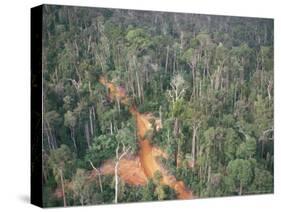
146, 154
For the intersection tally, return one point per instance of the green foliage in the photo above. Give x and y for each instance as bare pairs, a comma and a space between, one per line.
190, 55
212, 88
103, 148
131, 194
79, 183
148, 191
239, 175
70, 119
127, 137
263, 182
247, 149
61, 160
138, 40
164, 192
157, 177
231, 143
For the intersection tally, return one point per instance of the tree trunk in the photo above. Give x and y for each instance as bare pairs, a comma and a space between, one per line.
240, 189
111, 128
118, 158
116, 182
269, 88
87, 135
73, 138
91, 122
52, 138
174, 62
101, 189
118, 104
138, 85
209, 174
178, 159
167, 59
200, 89
89, 44
46, 130
176, 127
81, 200
194, 142
160, 114
193, 81
176, 132
96, 123
90, 89
62, 187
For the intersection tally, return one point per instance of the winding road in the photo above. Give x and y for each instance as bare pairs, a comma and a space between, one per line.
146, 154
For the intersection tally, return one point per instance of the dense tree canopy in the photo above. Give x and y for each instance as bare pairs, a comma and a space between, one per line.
209, 79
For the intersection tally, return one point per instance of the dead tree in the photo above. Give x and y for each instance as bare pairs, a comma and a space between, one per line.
119, 156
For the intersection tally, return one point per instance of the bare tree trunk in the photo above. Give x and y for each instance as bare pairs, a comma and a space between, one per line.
193, 81
118, 158
91, 122
116, 181
234, 96
269, 87
87, 135
176, 132
62, 187
118, 104
90, 89
111, 128
76, 48
138, 84
174, 62
46, 130
53, 138
99, 59
176, 127
95, 118
99, 175
201, 167
200, 88
209, 174
181, 41
194, 141
167, 59
217, 78
178, 155
81, 200
240, 189
160, 114
79, 76
89, 44
73, 138
142, 94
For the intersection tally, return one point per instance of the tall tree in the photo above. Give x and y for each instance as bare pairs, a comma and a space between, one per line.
240, 174
60, 161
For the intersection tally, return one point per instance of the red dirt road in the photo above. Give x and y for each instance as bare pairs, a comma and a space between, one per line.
137, 173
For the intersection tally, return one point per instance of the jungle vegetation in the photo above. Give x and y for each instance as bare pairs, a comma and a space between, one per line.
209, 79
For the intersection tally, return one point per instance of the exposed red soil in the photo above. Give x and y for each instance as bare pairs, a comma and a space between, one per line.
130, 170
137, 172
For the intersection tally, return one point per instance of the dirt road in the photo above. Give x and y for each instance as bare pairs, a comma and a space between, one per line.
146, 154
